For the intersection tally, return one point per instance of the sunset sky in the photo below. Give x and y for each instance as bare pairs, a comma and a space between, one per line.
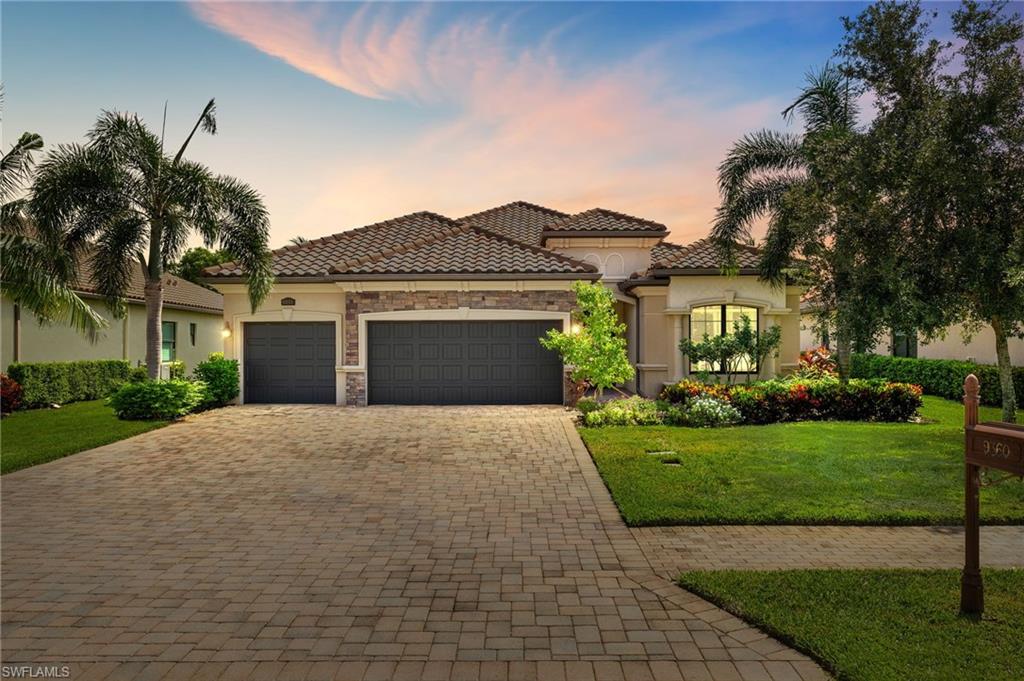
345, 114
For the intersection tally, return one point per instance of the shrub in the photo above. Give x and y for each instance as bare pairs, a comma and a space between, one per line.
817, 363
588, 405
176, 370
941, 377
709, 412
10, 394
221, 378
798, 399
157, 399
632, 411
138, 375
46, 383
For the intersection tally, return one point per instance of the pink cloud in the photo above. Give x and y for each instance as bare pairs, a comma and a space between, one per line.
522, 122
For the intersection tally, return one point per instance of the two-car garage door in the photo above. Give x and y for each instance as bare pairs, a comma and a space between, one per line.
462, 362
414, 362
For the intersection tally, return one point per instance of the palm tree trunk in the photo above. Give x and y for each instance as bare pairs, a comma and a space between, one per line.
154, 341
1005, 371
843, 356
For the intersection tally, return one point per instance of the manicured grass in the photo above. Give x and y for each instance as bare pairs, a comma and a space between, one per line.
799, 473
32, 437
881, 625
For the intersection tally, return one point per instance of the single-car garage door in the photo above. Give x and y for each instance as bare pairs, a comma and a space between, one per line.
492, 362
289, 362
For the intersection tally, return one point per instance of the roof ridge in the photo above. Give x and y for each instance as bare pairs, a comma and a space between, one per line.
535, 249
290, 248
440, 235
535, 206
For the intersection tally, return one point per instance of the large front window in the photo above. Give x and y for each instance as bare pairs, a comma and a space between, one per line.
718, 320
169, 338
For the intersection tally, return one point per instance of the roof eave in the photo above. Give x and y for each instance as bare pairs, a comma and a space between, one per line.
700, 271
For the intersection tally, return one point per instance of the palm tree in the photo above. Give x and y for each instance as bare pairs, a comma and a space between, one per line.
794, 181
120, 196
27, 275
298, 240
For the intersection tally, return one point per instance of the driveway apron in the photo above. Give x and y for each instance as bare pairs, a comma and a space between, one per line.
383, 542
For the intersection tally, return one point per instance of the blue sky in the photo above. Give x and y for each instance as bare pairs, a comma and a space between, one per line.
344, 114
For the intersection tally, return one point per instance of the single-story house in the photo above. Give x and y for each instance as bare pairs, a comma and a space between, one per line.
192, 320
956, 343
425, 309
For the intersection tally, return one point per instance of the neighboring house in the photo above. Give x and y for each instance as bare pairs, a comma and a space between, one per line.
192, 324
980, 348
424, 309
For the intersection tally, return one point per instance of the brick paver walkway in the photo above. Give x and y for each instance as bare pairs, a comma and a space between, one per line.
671, 550
373, 544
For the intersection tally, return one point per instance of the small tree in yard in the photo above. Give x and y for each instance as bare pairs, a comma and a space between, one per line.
744, 346
597, 349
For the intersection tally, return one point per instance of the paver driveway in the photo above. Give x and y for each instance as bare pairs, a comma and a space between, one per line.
321, 542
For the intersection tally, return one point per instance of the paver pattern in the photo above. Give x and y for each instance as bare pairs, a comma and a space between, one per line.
671, 550
329, 543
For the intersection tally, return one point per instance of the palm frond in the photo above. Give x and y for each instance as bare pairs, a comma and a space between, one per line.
26, 279
207, 121
764, 151
244, 231
16, 165
825, 103
115, 259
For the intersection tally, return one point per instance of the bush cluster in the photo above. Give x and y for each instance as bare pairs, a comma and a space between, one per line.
46, 383
798, 399
702, 412
214, 384
157, 399
10, 394
941, 377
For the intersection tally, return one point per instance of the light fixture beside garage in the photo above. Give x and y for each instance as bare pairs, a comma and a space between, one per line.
226, 331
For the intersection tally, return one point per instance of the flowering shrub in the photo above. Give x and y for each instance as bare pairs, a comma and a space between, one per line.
709, 412
10, 394
799, 399
632, 411
817, 363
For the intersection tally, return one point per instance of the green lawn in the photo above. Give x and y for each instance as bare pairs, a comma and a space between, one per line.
881, 625
32, 437
799, 473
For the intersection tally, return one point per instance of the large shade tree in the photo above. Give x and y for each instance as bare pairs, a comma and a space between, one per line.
126, 203
27, 273
948, 163
801, 185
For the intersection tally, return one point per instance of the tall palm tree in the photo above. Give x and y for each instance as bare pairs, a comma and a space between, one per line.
26, 265
795, 182
130, 204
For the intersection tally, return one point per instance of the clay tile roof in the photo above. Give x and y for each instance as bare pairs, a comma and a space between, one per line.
177, 291
606, 221
700, 255
469, 250
319, 256
518, 220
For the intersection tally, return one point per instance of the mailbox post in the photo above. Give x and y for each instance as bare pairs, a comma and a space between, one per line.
972, 591
993, 445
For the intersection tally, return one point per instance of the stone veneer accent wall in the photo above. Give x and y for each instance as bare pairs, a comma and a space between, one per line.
387, 301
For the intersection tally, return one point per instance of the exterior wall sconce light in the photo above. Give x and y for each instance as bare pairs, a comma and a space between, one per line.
226, 331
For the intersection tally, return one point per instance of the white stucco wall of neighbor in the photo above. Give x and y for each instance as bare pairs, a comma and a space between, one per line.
980, 348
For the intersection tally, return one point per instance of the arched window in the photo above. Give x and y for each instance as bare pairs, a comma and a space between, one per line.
718, 320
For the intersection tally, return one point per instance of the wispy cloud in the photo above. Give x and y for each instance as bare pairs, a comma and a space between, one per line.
510, 118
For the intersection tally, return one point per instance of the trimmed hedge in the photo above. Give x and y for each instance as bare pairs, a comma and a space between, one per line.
941, 377
795, 399
46, 383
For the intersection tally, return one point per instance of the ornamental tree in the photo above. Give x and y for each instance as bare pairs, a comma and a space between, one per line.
596, 347
729, 353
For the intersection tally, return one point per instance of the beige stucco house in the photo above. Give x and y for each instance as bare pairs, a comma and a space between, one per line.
425, 309
192, 319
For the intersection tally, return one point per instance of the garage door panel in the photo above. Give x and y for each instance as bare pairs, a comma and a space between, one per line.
289, 362
462, 362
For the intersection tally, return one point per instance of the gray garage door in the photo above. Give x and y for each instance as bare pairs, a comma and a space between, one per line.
462, 363
289, 362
